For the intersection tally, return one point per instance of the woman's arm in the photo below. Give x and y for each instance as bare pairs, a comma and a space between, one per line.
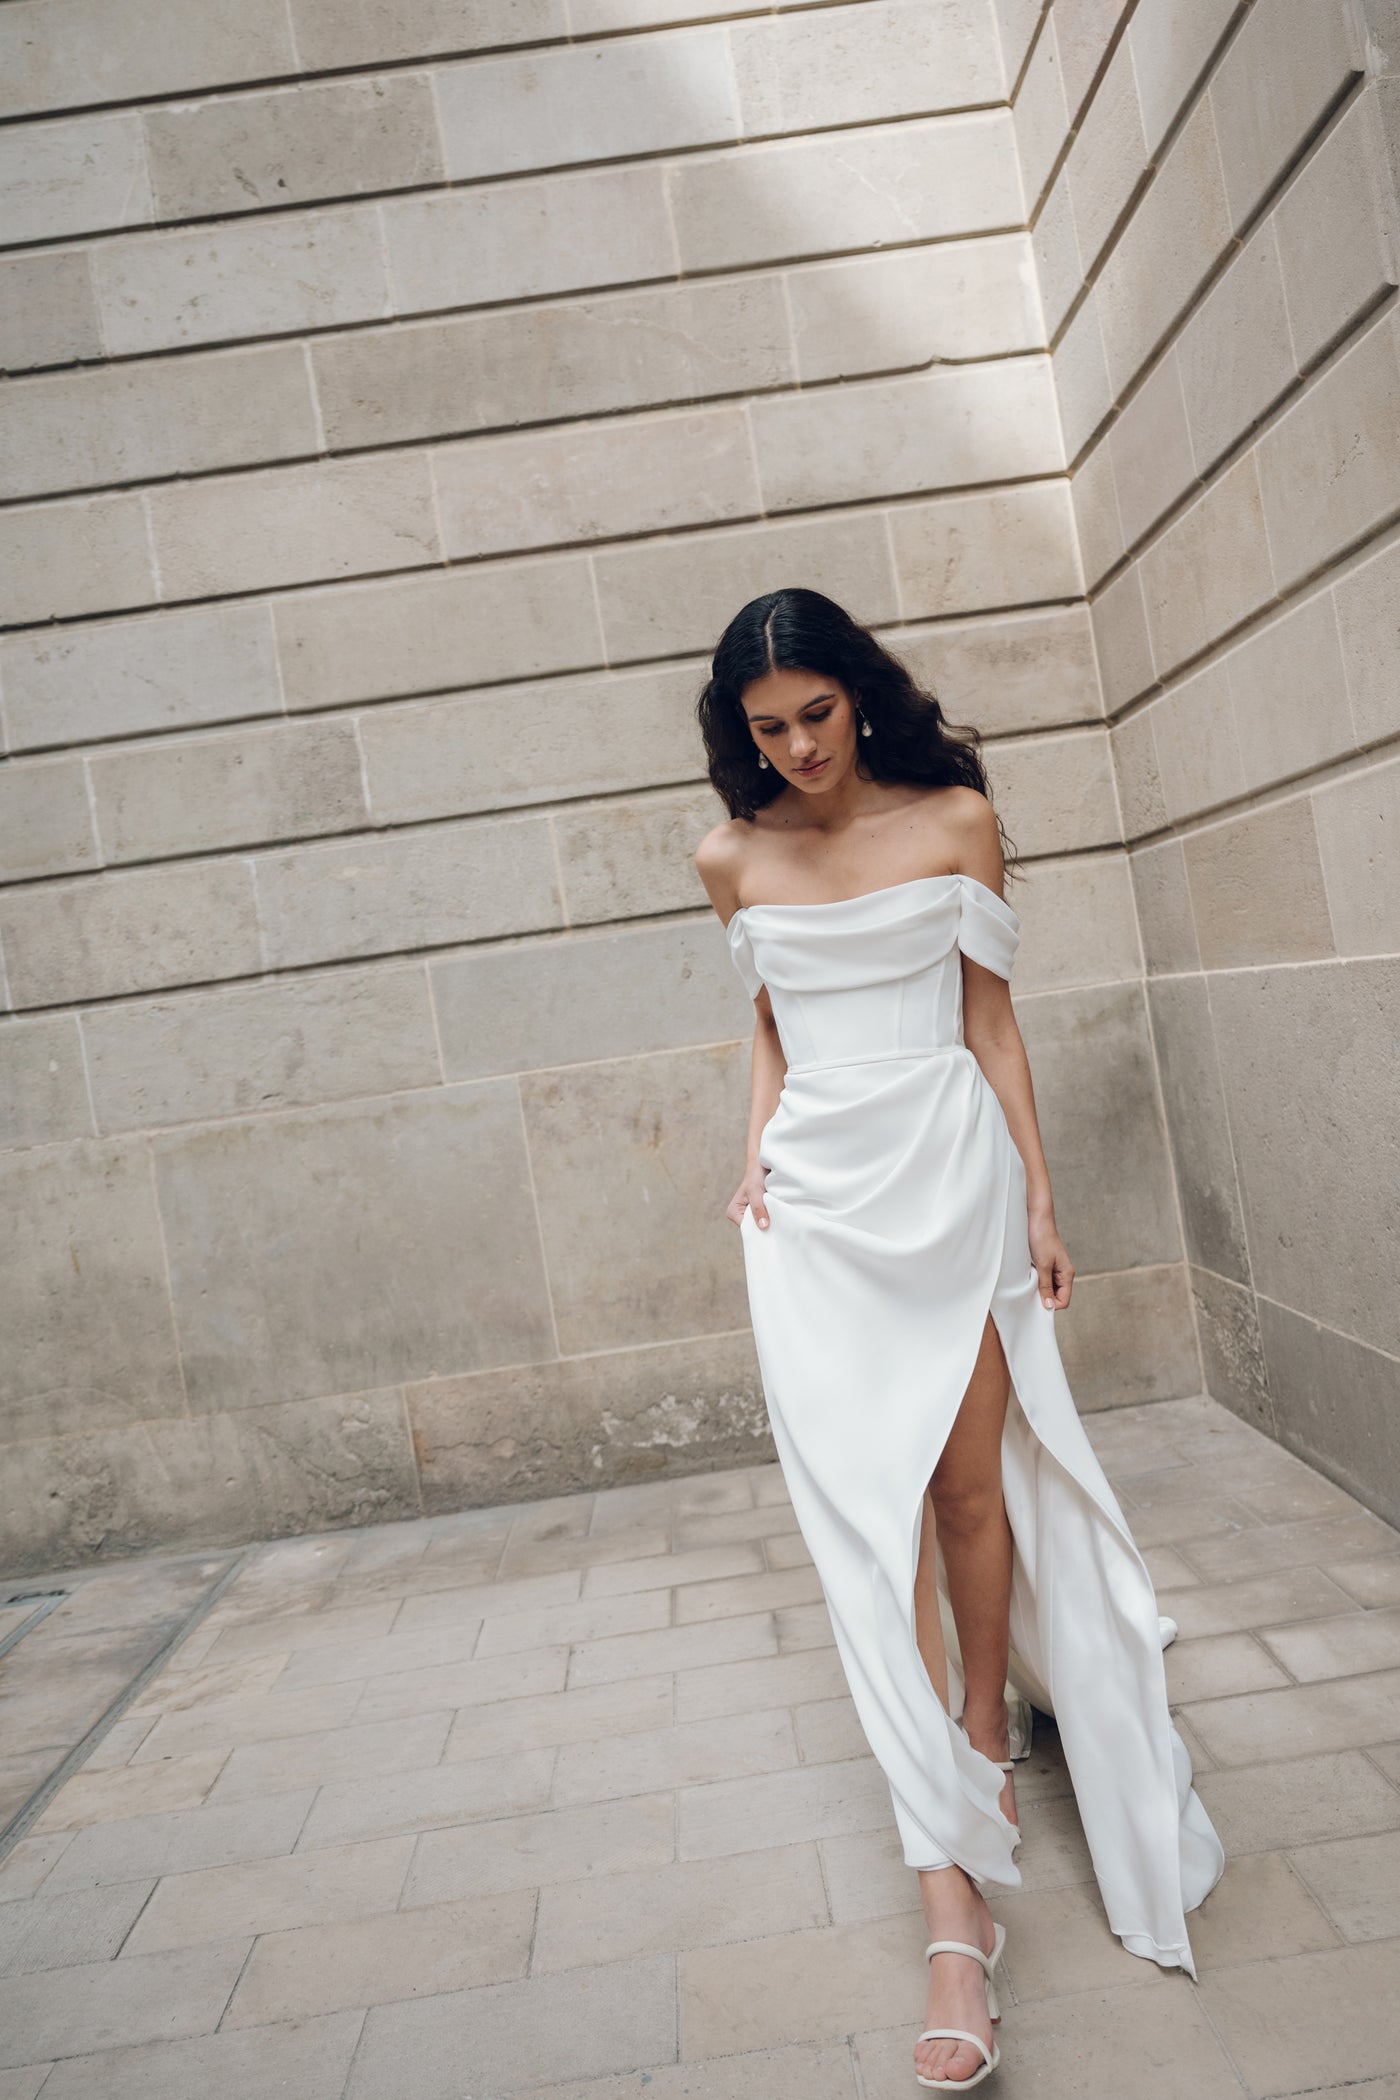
716, 863
991, 1034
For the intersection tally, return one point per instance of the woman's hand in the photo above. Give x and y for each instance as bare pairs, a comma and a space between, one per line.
749, 1196
1054, 1268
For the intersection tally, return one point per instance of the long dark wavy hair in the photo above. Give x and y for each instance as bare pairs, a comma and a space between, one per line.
800, 630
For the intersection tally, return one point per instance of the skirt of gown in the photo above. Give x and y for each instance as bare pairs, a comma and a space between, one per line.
897, 1206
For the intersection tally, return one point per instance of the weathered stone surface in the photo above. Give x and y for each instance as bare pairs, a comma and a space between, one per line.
634, 1162
639, 1414
83, 1263
1232, 1355
1009, 671
1198, 1127
48, 311
623, 859
96, 936
1257, 892
98, 51
194, 794
1335, 1401
43, 1090
343, 1250
1126, 1337
45, 823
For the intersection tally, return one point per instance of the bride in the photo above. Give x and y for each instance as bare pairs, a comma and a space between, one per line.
904, 1267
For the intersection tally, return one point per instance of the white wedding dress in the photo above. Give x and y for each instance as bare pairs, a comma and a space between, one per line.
897, 1201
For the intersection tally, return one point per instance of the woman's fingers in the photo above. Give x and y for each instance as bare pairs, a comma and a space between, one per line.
760, 1212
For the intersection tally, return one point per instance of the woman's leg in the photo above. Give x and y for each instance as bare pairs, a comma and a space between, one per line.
966, 1509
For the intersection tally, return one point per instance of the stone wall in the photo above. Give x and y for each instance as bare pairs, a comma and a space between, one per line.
1212, 189
399, 416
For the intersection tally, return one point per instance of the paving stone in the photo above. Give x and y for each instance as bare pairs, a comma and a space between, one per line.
592, 1619
1336, 1647
180, 1840
1357, 1882
574, 2025
565, 1844
108, 2004
691, 1903
625, 1706
1331, 1716
61, 1931
673, 1648
405, 1692
308, 2057
375, 1747
1271, 1600
1259, 1909
1227, 1662
1061, 1941
666, 1570
733, 1688
745, 1815
312, 1888
1315, 2018
686, 1755
800, 1986
370, 1961
353, 1810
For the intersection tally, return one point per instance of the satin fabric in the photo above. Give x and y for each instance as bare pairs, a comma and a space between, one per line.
897, 1201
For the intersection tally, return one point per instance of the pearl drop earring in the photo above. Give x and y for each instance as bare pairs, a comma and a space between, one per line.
865, 728
761, 759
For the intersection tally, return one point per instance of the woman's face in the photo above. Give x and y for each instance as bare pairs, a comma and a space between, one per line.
804, 725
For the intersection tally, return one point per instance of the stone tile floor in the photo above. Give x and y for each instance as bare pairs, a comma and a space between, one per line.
568, 1799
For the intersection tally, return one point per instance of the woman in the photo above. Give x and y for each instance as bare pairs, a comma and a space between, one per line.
904, 1269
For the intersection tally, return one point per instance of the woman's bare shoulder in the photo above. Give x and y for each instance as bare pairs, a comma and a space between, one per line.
963, 832
719, 859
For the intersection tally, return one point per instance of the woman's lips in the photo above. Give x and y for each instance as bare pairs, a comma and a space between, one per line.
809, 770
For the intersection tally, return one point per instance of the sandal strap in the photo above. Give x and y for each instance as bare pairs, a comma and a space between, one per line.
957, 1947
955, 2034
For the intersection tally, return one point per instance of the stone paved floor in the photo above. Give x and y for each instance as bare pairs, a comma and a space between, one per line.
568, 1799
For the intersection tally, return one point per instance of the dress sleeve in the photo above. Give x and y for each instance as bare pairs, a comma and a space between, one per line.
989, 930
741, 953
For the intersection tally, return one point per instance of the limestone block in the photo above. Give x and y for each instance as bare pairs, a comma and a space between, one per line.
1081, 378
1153, 464
1134, 746
1289, 693
1078, 922
236, 279
91, 51
1335, 1402
1332, 231
1007, 547
624, 859
1017, 21
196, 794
43, 1090
79, 175
376, 30
339, 138
1287, 65
341, 1249
1164, 908
896, 437
1058, 258
1097, 517
616, 993
600, 480
1172, 43
137, 422
1257, 893
169, 671
294, 1042
294, 525
1330, 468
1085, 30
1009, 672
1041, 114
952, 301
45, 822
48, 311
1210, 569
1368, 615
536, 743
1198, 753
926, 179
559, 1428
1197, 1125
95, 937
518, 240
634, 1162
661, 597
1236, 354
1320, 1207
581, 102
1129, 1339
89, 1337
1170, 245
275, 1472
1122, 641
428, 634
1232, 1354
1056, 792
577, 357
1109, 156
1358, 829
1090, 1052
835, 66
61, 560
412, 889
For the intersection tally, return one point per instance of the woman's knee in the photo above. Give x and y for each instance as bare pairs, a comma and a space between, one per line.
962, 1507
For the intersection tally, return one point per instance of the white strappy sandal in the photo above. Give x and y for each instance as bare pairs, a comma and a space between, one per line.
961, 2034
